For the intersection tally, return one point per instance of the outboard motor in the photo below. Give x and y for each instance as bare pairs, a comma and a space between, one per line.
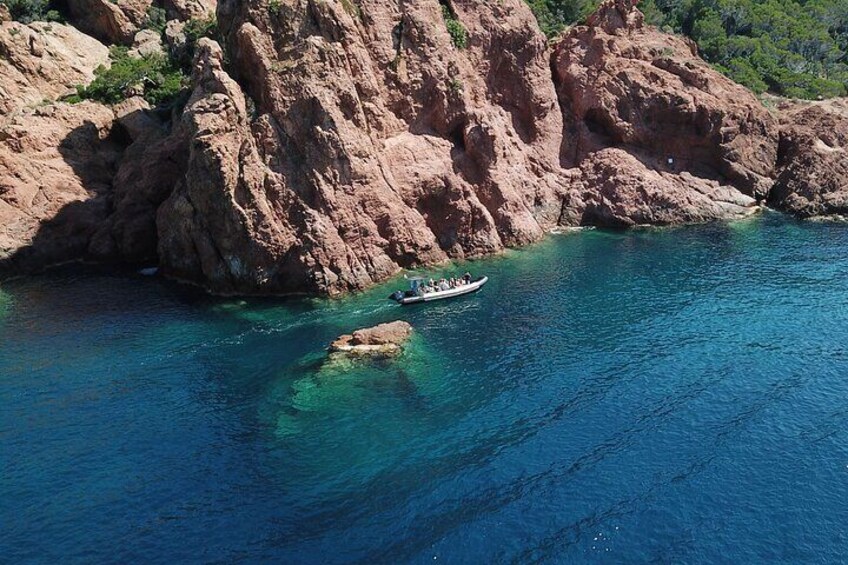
397, 296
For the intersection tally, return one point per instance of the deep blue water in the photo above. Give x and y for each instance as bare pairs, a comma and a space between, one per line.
674, 395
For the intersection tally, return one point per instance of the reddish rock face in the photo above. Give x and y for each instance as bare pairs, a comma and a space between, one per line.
625, 85
40, 62
344, 141
371, 144
190, 9
56, 168
358, 140
813, 161
109, 21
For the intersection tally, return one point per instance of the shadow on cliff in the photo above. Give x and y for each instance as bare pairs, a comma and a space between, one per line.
81, 229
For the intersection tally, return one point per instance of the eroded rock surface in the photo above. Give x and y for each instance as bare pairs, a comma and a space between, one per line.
813, 161
42, 61
190, 9
381, 340
660, 136
370, 143
626, 85
110, 21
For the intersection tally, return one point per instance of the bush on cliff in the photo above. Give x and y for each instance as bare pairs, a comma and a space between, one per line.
154, 77
457, 31
27, 11
795, 48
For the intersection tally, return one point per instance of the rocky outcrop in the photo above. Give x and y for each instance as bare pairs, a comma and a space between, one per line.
622, 84
40, 62
371, 144
813, 161
381, 340
617, 190
110, 21
659, 136
343, 141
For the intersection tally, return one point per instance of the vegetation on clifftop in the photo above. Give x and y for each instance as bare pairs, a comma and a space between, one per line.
155, 77
27, 11
794, 48
159, 78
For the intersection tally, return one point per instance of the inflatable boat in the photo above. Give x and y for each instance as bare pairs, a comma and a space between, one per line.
418, 293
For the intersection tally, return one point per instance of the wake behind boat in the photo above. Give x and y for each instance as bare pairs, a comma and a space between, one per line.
422, 290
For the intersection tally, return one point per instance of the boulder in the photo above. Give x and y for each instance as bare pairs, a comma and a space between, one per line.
184, 10
146, 43
381, 340
110, 21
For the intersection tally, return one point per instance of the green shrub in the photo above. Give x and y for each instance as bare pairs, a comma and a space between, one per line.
156, 19
458, 33
198, 28
154, 77
275, 7
27, 11
554, 15
194, 30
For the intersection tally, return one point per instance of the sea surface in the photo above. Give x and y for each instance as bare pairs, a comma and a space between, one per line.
658, 395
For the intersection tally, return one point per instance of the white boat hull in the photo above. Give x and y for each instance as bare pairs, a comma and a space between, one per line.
473, 286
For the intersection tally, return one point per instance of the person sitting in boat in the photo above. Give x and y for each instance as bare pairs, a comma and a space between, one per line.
443, 284
467, 277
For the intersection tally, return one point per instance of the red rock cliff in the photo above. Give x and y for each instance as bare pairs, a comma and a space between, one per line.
330, 143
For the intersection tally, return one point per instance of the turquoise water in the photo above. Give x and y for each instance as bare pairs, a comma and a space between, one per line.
674, 395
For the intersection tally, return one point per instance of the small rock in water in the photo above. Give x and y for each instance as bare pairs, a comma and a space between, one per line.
380, 341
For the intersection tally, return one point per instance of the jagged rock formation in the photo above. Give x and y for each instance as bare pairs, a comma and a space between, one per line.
813, 161
40, 62
374, 144
343, 140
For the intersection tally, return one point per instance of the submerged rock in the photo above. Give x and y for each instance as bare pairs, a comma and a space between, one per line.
381, 340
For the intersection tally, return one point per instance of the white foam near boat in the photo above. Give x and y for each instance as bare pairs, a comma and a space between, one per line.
417, 294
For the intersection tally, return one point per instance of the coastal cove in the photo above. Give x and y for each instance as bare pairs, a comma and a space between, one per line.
668, 394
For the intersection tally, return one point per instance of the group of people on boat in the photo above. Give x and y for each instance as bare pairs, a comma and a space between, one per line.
445, 283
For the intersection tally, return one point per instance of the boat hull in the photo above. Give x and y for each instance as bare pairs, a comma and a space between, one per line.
472, 287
